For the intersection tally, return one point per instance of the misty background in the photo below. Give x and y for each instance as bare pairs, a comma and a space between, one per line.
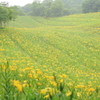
56, 8
50, 8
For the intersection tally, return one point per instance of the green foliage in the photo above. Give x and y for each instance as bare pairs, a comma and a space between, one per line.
57, 8
6, 14
48, 8
3, 15
37, 9
5, 76
91, 6
17, 11
73, 6
26, 8
53, 8
66, 12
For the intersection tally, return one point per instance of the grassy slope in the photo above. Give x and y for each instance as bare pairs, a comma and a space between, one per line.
69, 45
80, 20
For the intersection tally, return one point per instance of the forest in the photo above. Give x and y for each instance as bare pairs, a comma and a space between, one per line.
56, 8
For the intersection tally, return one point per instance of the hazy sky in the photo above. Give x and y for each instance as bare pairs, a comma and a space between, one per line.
18, 2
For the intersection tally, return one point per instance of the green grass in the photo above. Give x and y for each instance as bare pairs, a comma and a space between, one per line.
68, 45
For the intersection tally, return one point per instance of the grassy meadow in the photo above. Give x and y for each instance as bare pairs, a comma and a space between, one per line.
51, 58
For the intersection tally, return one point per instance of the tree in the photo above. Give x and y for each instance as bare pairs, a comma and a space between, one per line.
18, 10
47, 4
57, 8
73, 6
53, 8
27, 8
6, 13
3, 15
66, 12
91, 6
37, 9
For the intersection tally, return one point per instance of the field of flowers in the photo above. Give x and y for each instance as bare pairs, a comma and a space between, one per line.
51, 59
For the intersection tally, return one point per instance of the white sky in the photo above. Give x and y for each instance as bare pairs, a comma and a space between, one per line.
18, 2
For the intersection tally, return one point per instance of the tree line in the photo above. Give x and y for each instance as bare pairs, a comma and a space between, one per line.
56, 8
48, 8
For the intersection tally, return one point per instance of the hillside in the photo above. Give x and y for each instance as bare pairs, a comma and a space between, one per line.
68, 47
79, 20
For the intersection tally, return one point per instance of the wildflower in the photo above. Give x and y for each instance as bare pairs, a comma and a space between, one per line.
12, 68
79, 94
70, 84
47, 96
61, 80
51, 77
63, 76
39, 71
28, 68
50, 90
91, 90
79, 86
20, 75
47, 90
68, 93
18, 85
43, 91
3, 67
35, 76
38, 83
25, 81
30, 75
53, 83
25, 85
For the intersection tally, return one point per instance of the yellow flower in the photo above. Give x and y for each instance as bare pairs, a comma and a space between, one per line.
53, 83
18, 85
51, 77
43, 91
61, 80
79, 94
50, 90
68, 93
79, 86
20, 75
39, 71
47, 96
25, 81
63, 76
47, 90
25, 85
28, 68
91, 90
38, 83
12, 68
35, 76
3, 67
30, 75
